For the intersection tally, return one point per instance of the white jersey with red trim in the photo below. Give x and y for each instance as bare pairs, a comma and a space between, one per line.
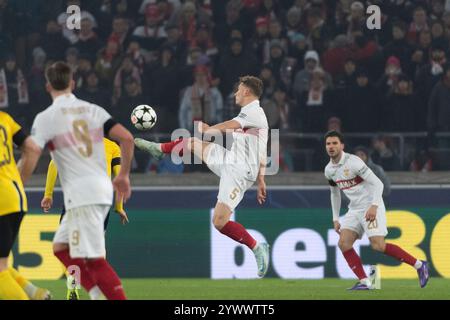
249, 146
73, 131
349, 175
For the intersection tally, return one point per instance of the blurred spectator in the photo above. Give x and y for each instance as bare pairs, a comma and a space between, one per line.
297, 49
360, 113
260, 42
303, 77
437, 9
293, 21
200, 102
127, 69
356, 20
188, 17
161, 75
136, 53
439, 104
151, 35
36, 83
178, 45
14, 96
88, 42
53, 42
276, 109
233, 20
233, 64
384, 155
418, 24
130, 99
203, 40
385, 85
282, 66
108, 61
93, 92
318, 31
335, 57
120, 32
420, 53
363, 153
401, 104
70, 34
399, 47
426, 78
315, 105
438, 34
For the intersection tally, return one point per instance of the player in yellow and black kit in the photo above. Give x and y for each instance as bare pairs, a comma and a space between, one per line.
13, 206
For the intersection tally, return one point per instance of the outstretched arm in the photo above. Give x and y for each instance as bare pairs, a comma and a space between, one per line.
222, 127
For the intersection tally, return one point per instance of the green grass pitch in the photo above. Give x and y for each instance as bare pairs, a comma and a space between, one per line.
206, 289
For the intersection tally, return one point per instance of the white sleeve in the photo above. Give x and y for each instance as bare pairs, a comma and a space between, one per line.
101, 115
246, 120
39, 131
335, 202
335, 197
376, 186
359, 168
362, 170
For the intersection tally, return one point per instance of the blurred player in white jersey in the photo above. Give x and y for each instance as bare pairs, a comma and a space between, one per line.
366, 211
237, 168
73, 130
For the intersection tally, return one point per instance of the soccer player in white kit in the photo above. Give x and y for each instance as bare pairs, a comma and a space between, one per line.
73, 131
238, 168
366, 212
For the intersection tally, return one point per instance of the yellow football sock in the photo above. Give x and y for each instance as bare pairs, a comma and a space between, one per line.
19, 278
9, 288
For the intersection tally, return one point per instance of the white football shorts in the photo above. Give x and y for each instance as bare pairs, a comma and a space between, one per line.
355, 220
83, 229
233, 184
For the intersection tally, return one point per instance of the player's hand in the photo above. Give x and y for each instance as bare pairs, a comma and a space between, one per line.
261, 194
123, 216
337, 227
371, 213
122, 186
46, 204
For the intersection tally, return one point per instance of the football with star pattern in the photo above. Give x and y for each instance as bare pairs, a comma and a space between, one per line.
143, 117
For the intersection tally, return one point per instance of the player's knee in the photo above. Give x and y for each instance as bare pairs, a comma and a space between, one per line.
219, 222
378, 246
344, 245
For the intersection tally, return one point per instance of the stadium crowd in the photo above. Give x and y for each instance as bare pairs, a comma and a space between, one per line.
321, 66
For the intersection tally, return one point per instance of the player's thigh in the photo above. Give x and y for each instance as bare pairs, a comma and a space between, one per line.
198, 147
62, 234
351, 222
232, 188
214, 156
377, 227
86, 231
9, 228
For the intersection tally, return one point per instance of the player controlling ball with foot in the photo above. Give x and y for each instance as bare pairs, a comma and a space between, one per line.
238, 168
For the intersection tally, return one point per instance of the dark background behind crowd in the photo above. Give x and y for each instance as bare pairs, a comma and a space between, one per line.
322, 69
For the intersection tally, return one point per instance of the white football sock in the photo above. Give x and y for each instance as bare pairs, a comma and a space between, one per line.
30, 289
255, 247
366, 281
95, 293
418, 264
